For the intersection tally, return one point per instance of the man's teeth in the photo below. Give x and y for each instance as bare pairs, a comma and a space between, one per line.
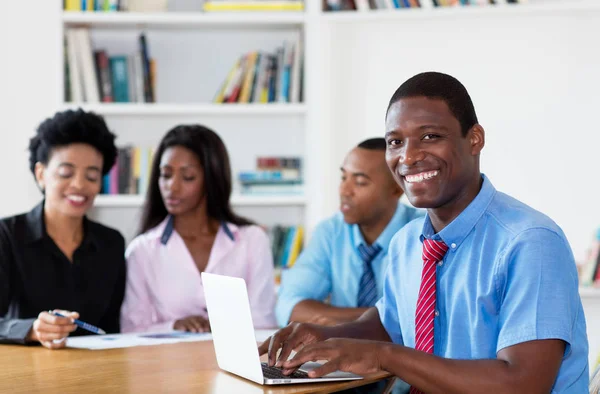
423, 176
76, 198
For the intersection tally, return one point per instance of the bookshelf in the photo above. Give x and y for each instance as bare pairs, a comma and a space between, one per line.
501, 10
184, 95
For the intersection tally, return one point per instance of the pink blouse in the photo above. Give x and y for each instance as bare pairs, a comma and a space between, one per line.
164, 284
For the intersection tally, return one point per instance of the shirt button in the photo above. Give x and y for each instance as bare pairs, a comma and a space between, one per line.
437, 313
453, 245
440, 263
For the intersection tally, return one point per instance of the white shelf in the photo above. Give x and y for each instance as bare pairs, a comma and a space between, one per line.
452, 12
238, 200
589, 292
275, 200
118, 201
182, 20
134, 109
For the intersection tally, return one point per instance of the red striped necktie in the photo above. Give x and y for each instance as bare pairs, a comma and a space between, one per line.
433, 252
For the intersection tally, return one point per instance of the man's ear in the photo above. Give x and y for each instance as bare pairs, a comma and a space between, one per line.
476, 136
39, 175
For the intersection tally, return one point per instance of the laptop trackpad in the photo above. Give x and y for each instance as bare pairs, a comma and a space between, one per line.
306, 367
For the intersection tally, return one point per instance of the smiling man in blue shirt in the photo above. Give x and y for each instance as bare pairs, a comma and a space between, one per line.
481, 294
345, 259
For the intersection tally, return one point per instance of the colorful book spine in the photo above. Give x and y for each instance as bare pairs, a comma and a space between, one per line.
296, 247
289, 240
148, 83
253, 5
131, 172
72, 5
120, 83
262, 77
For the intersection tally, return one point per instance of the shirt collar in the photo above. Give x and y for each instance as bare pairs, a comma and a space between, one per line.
168, 226
455, 232
35, 229
386, 235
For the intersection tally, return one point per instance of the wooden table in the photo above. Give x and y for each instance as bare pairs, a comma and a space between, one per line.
182, 367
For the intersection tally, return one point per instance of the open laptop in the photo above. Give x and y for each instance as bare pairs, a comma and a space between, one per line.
234, 340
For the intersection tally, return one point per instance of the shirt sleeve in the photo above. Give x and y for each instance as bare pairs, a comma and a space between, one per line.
110, 322
11, 330
387, 306
261, 279
537, 281
309, 278
137, 311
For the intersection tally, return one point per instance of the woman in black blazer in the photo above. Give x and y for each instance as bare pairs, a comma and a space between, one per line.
53, 258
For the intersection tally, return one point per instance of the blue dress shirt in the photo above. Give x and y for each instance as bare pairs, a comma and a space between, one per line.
331, 264
508, 277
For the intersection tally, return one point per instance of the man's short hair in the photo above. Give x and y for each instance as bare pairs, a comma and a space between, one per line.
373, 144
435, 85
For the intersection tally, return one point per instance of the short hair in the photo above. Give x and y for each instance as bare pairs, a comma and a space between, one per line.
71, 127
214, 160
373, 144
435, 85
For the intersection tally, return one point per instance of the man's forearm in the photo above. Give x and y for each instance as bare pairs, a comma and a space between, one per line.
311, 311
367, 326
433, 374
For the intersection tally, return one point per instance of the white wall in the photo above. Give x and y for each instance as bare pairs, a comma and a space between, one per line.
28, 92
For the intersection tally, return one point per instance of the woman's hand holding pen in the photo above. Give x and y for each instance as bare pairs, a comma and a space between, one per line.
192, 324
51, 331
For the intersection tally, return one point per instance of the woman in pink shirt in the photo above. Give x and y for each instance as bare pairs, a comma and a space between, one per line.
188, 227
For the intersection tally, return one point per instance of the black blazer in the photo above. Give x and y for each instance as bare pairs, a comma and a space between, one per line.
36, 276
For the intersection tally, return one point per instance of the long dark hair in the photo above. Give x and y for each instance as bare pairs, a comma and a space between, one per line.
214, 159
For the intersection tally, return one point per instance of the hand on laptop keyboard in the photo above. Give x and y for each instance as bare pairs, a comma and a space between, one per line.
277, 373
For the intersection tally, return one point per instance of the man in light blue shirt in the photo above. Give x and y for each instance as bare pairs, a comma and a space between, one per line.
481, 295
332, 264
519, 265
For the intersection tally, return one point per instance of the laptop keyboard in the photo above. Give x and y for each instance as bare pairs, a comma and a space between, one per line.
276, 373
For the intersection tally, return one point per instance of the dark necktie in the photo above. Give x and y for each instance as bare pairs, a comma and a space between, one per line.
367, 291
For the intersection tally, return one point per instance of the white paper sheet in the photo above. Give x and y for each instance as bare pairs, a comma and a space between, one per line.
115, 341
